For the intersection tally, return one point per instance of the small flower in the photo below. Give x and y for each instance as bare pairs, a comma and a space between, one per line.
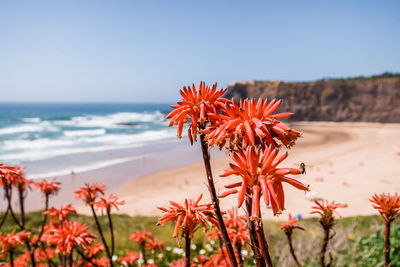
178, 251
218, 259
89, 193
202, 252
193, 246
61, 214
195, 107
141, 236
179, 263
108, 203
48, 187
325, 210
188, 216
245, 252
155, 245
261, 176
387, 205
290, 225
94, 250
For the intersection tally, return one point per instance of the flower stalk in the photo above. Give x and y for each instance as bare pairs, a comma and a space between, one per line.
289, 238
215, 202
187, 249
387, 244
103, 240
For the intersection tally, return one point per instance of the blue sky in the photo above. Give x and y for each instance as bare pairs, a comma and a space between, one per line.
144, 51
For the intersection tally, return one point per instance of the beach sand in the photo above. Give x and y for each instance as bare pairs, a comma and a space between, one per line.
346, 162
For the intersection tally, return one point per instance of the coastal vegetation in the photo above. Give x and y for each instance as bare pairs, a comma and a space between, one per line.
358, 240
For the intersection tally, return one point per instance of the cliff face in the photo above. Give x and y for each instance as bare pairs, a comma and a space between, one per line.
364, 99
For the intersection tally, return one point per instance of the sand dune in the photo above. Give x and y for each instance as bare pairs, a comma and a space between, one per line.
347, 162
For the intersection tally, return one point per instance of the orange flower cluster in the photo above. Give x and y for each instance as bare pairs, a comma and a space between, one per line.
154, 245
89, 193
325, 210
108, 203
259, 172
188, 216
195, 107
14, 176
387, 205
141, 236
218, 259
291, 224
94, 250
129, 258
235, 225
61, 214
48, 187
69, 235
12, 240
250, 123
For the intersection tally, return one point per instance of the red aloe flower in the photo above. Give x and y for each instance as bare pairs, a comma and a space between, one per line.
43, 254
130, 258
7, 173
387, 205
180, 263
94, 250
154, 245
188, 216
322, 207
108, 203
69, 235
12, 240
141, 236
236, 226
89, 193
218, 259
48, 187
290, 224
61, 214
202, 259
16, 177
325, 210
250, 122
260, 174
194, 108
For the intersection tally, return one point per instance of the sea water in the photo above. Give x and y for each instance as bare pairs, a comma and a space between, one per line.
59, 139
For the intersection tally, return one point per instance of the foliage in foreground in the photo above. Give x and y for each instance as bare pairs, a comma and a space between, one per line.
358, 240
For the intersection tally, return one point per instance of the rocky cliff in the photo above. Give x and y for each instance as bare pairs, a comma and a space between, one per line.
373, 99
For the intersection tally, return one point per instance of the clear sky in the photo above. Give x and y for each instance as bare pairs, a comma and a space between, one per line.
144, 51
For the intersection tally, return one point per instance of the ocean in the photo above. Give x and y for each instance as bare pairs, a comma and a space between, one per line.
60, 139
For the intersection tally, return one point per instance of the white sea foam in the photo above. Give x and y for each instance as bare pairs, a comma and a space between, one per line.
39, 149
33, 120
113, 120
24, 128
79, 169
85, 132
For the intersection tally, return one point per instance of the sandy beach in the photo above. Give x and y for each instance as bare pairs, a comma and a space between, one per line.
346, 162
